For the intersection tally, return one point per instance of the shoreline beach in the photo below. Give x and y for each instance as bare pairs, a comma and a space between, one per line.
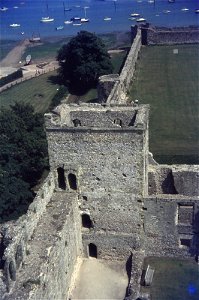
14, 56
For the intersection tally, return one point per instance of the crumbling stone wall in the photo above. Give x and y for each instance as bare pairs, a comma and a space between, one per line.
42, 247
170, 36
164, 229
174, 179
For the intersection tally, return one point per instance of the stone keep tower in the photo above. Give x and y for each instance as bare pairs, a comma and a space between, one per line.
99, 153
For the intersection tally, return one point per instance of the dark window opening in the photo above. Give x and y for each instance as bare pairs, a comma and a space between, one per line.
2, 249
118, 122
12, 271
132, 122
61, 178
92, 248
76, 123
85, 198
86, 221
185, 242
72, 180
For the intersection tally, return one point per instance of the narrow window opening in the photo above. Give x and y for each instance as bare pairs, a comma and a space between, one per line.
72, 180
76, 123
118, 122
61, 178
86, 221
185, 243
92, 248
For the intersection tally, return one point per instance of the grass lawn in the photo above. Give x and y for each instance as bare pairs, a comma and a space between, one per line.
38, 92
173, 279
170, 84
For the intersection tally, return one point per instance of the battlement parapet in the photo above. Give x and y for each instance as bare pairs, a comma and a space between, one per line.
98, 117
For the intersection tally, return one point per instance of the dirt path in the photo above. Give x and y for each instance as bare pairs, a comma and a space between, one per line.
14, 56
99, 279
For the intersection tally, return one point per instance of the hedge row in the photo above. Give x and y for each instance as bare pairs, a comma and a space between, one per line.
11, 77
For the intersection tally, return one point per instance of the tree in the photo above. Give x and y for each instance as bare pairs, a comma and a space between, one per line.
23, 156
82, 61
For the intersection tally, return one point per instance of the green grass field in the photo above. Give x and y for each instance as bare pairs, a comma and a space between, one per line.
170, 84
38, 92
173, 279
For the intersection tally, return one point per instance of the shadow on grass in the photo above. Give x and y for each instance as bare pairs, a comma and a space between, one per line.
55, 79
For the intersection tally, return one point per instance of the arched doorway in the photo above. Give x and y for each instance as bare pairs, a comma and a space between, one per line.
92, 250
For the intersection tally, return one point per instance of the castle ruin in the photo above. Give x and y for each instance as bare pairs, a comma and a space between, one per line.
104, 197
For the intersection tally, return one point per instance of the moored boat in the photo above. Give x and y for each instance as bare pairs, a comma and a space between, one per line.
28, 59
59, 27
107, 19
46, 19
197, 11
3, 8
135, 15
140, 20
68, 22
15, 25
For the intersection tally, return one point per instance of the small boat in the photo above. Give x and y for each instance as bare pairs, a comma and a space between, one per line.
197, 11
107, 19
140, 20
166, 11
171, 1
135, 15
35, 39
46, 19
184, 9
132, 18
85, 19
15, 25
15, 6
68, 22
22, 33
73, 19
77, 24
3, 8
28, 59
59, 28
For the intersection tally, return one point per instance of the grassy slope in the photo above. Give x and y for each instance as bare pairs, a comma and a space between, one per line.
170, 84
174, 279
38, 92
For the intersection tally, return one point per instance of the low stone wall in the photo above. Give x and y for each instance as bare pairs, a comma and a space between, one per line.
169, 36
174, 179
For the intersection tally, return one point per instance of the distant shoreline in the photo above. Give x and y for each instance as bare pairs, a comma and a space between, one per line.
14, 56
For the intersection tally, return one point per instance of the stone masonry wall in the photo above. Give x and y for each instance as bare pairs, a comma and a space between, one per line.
116, 93
166, 224
107, 155
170, 36
40, 259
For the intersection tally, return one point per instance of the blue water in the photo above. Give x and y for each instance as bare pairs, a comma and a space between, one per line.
29, 13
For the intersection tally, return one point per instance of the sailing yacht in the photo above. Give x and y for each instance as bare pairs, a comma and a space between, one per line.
46, 19
85, 19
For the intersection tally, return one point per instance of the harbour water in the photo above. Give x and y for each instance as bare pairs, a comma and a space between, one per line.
28, 13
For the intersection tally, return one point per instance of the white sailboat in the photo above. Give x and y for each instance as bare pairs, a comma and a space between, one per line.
46, 19
85, 19
66, 8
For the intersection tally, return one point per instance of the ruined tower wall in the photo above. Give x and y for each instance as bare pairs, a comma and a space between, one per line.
107, 154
